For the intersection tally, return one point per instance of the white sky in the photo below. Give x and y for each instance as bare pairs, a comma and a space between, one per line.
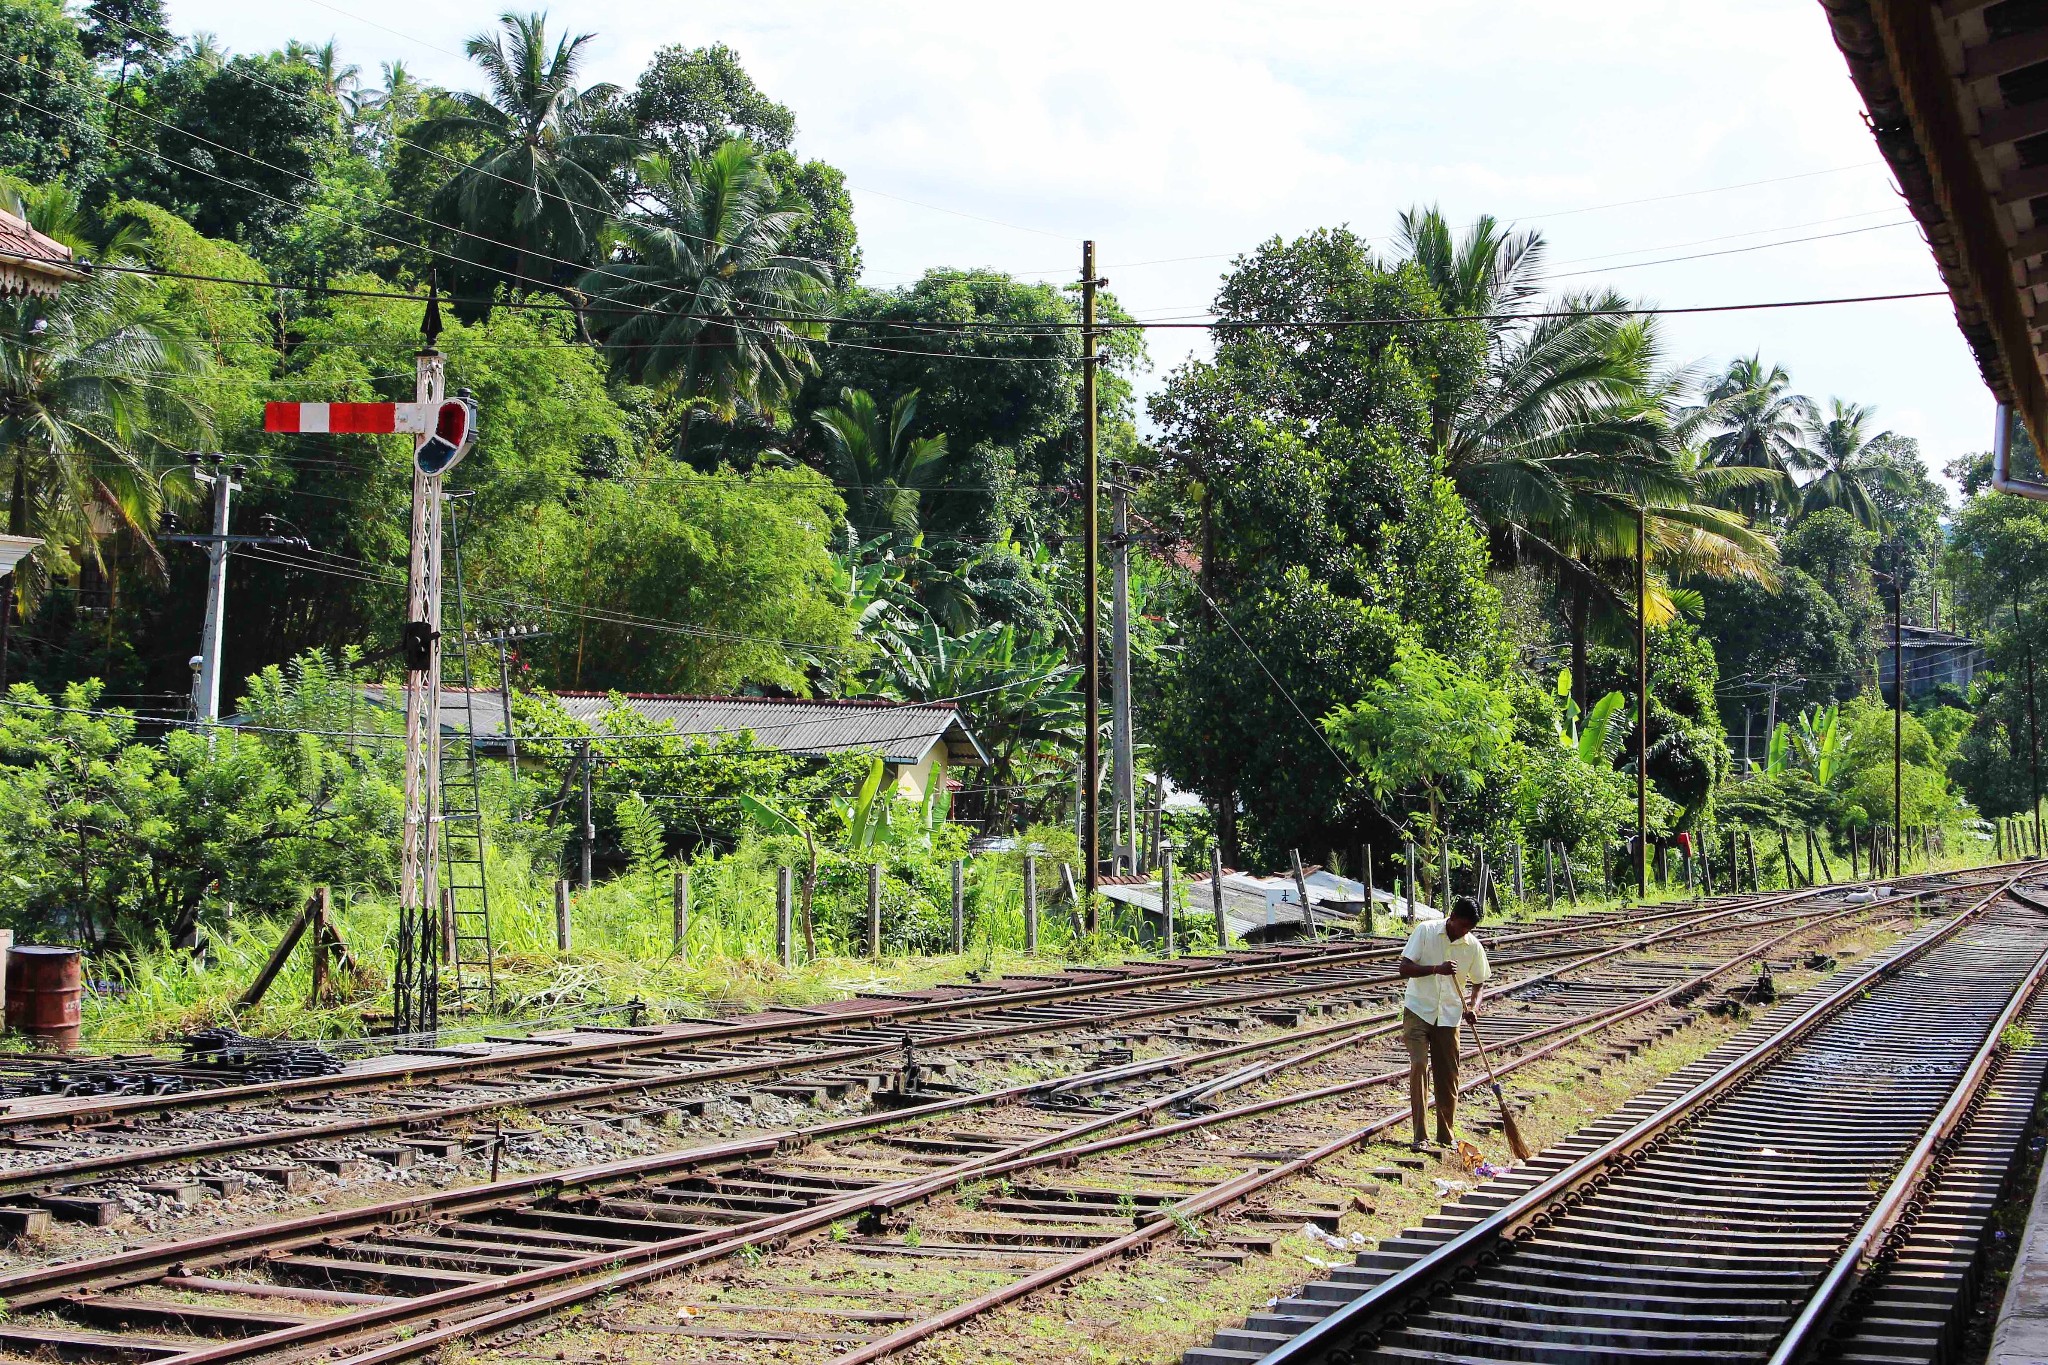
1195, 129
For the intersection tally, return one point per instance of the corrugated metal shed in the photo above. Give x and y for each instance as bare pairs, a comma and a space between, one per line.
900, 733
1262, 908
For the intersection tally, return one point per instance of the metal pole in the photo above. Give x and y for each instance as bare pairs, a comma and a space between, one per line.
1308, 911
1122, 757
1091, 852
415, 980
959, 905
2033, 722
1166, 893
589, 826
224, 486
1642, 702
874, 910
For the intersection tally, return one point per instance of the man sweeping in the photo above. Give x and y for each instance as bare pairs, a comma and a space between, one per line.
1438, 955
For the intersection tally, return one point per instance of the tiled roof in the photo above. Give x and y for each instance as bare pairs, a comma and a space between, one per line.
31, 263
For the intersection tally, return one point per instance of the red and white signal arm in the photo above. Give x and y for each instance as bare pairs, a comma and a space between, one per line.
449, 425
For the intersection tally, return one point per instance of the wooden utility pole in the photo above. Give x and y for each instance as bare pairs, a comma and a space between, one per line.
1898, 724
1129, 823
1091, 782
1642, 702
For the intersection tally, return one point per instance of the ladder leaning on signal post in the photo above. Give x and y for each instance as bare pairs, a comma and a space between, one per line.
467, 896
442, 429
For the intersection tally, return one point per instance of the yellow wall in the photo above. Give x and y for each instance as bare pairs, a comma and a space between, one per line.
913, 781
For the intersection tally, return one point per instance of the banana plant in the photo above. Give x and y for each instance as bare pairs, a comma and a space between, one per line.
1823, 741
1778, 755
1599, 740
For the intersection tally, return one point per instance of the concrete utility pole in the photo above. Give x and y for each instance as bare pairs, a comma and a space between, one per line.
502, 640
1123, 757
219, 544
1091, 645
225, 483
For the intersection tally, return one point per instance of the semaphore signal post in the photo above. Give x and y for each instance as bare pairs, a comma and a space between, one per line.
442, 429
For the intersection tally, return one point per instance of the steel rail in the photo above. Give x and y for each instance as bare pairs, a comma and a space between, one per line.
1239, 1187
105, 1165
25, 1287
1334, 1337
703, 1247
1127, 979
1894, 1210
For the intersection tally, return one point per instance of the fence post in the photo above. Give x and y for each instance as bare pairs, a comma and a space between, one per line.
959, 905
1308, 912
1216, 895
874, 909
1365, 876
320, 930
1518, 869
1030, 901
1409, 847
782, 899
562, 915
682, 912
1444, 896
448, 925
1549, 877
1166, 891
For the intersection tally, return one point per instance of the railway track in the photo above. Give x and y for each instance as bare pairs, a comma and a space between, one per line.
1814, 1189
181, 1149
1022, 1182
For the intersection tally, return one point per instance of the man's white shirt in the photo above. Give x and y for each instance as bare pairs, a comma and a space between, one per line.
1435, 999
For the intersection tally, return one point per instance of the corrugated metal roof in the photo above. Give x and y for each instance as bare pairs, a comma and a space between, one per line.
900, 733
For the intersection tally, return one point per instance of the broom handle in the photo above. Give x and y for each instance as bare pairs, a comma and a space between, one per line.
1491, 1079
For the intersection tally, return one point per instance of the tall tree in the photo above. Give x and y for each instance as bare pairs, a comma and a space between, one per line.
703, 296
131, 36
529, 210
1753, 420
1847, 472
51, 106
87, 410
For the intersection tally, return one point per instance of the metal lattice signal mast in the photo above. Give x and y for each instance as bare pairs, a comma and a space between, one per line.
442, 430
416, 982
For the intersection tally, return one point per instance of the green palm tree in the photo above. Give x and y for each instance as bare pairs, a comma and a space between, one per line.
880, 466
343, 82
537, 195
703, 295
1757, 422
91, 403
1841, 454
1572, 425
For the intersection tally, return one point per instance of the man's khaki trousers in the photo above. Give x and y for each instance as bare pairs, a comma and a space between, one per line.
1432, 1048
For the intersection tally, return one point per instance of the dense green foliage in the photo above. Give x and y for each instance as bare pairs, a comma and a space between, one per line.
1383, 573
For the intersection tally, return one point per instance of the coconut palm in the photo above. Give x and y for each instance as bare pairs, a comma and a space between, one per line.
343, 82
1757, 422
90, 403
1843, 458
703, 295
881, 467
537, 195
1572, 425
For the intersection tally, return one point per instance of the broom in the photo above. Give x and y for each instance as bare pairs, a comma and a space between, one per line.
1516, 1142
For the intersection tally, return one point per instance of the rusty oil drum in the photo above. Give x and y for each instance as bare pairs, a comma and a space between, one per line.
43, 993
